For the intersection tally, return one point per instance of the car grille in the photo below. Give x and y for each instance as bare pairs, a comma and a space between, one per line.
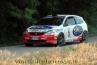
36, 33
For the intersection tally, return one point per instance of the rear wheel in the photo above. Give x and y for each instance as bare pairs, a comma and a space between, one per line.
84, 35
61, 40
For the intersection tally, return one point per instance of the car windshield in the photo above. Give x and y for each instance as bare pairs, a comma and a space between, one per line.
50, 21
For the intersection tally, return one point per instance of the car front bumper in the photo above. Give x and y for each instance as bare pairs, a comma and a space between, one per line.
42, 39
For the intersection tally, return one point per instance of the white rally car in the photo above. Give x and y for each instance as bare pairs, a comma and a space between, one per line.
57, 30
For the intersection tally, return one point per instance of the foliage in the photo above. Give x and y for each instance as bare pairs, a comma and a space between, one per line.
17, 15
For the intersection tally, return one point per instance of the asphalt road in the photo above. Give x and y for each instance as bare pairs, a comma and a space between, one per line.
22, 50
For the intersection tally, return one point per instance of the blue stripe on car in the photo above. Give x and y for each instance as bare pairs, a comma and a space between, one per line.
42, 27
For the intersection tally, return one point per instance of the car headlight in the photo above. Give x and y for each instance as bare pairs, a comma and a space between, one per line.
51, 32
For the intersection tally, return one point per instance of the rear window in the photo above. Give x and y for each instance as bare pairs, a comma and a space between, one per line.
79, 20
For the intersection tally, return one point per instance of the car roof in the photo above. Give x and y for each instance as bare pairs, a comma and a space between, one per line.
59, 16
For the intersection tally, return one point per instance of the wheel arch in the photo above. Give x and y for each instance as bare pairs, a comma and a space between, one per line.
61, 33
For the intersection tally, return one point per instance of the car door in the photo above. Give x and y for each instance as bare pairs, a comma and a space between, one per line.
69, 25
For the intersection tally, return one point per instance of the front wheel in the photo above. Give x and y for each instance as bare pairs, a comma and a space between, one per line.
60, 40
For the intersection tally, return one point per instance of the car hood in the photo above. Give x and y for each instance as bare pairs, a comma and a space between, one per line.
42, 28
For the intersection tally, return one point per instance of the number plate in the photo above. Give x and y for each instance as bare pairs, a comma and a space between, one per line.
35, 38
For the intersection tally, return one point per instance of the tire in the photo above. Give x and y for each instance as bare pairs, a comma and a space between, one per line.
84, 35
61, 40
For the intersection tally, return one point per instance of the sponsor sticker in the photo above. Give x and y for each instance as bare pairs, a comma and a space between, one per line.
77, 30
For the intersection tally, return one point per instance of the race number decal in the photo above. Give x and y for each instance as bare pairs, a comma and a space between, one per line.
77, 30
